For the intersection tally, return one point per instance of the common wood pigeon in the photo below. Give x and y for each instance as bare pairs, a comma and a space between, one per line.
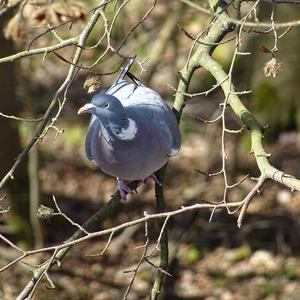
132, 131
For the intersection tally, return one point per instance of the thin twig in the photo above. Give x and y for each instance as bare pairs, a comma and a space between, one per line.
255, 190
139, 262
20, 119
238, 22
122, 226
60, 213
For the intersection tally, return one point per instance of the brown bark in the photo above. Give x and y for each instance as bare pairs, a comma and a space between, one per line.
16, 189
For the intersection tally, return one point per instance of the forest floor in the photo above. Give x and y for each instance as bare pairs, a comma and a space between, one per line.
211, 261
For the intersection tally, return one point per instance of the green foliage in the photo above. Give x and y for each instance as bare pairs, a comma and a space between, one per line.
187, 126
267, 103
144, 275
142, 51
193, 254
269, 289
207, 82
290, 273
291, 269
223, 55
265, 98
75, 135
220, 281
44, 296
245, 141
17, 224
240, 253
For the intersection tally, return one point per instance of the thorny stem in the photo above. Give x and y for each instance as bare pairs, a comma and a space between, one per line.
163, 243
202, 58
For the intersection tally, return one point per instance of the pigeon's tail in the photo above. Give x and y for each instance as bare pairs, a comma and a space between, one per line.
135, 79
125, 71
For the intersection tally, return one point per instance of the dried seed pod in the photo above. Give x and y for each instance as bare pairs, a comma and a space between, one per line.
92, 84
45, 212
57, 13
272, 68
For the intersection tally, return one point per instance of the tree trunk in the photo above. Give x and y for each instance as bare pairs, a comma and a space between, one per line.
16, 189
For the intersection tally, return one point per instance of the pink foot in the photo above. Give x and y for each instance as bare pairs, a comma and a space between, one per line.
123, 188
150, 179
154, 178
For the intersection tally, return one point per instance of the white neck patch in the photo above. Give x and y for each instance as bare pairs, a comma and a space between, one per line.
128, 133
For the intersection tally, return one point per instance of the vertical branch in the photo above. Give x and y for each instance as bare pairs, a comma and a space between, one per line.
32, 164
34, 194
164, 248
215, 34
218, 28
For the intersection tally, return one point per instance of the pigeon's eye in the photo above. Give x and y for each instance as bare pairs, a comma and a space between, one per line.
106, 105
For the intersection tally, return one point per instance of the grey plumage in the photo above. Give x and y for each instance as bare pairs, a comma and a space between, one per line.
132, 131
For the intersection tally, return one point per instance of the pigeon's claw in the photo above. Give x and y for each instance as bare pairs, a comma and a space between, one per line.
123, 189
150, 179
155, 179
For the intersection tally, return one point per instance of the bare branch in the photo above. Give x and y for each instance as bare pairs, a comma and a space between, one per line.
63, 88
49, 49
20, 119
239, 22
60, 213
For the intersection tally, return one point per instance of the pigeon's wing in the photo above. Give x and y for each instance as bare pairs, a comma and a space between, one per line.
136, 96
163, 115
170, 126
93, 130
144, 100
125, 71
132, 94
123, 91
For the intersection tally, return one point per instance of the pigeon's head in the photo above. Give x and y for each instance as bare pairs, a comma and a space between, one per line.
105, 106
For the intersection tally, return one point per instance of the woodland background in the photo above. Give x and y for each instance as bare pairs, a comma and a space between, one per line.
207, 260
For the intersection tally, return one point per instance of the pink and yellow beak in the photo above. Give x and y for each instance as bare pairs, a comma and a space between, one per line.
86, 108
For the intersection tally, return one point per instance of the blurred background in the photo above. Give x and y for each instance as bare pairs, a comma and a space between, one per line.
209, 261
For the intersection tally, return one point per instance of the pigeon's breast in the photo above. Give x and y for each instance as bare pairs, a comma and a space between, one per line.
134, 159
